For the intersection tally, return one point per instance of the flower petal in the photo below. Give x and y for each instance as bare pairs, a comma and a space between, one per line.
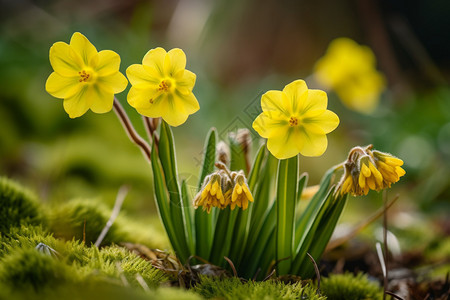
296, 93
327, 121
267, 125
186, 83
175, 111
108, 63
177, 61
272, 101
316, 101
143, 99
102, 101
140, 76
115, 82
313, 144
78, 104
81, 45
155, 58
285, 143
62, 87
64, 60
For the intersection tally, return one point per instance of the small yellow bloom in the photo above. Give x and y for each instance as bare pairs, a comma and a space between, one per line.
161, 87
295, 120
212, 192
241, 194
84, 78
350, 70
389, 166
369, 176
367, 170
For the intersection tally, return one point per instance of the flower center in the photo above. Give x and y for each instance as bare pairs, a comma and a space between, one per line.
86, 75
293, 121
165, 85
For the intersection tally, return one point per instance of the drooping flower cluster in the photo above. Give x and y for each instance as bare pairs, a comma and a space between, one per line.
367, 170
295, 120
350, 70
223, 188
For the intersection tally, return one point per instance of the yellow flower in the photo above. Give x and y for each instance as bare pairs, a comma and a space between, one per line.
369, 177
241, 194
211, 194
161, 87
367, 170
350, 70
389, 166
84, 78
295, 120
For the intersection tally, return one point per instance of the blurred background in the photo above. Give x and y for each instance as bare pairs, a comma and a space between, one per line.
239, 50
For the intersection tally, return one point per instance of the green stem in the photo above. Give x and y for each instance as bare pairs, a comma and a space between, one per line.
285, 205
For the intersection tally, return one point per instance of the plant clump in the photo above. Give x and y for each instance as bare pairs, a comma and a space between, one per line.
233, 288
18, 206
350, 287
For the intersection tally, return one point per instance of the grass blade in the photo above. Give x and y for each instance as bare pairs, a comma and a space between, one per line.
166, 153
204, 225
285, 203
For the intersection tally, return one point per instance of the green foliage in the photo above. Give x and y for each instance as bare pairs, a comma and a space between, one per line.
26, 237
17, 206
84, 220
115, 262
350, 287
31, 269
233, 288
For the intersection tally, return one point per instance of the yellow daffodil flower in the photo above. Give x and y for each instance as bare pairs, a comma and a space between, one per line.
369, 170
295, 120
241, 194
161, 87
350, 70
84, 78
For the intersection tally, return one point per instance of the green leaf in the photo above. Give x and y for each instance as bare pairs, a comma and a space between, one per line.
302, 182
223, 235
306, 219
255, 170
204, 225
241, 228
188, 214
308, 236
255, 254
262, 196
166, 151
323, 233
162, 201
285, 203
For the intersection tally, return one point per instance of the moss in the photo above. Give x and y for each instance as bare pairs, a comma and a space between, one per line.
18, 206
350, 287
29, 269
26, 237
233, 288
84, 220
114, 262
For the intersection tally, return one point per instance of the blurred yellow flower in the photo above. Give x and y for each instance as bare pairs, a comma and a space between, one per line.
295, 120
350, 70
84, 78
161, 87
